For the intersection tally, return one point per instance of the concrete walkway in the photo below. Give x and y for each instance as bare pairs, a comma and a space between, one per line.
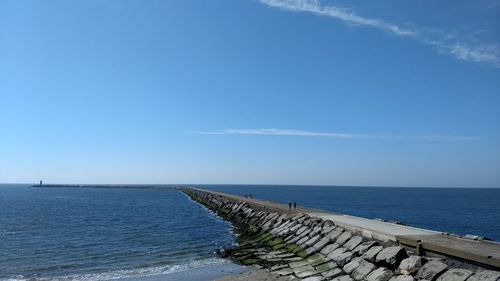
383, 231
483, 252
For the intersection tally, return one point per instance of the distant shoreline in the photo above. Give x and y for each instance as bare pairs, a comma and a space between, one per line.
105, 186
242, 185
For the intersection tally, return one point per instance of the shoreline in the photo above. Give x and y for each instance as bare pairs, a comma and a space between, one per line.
215, 271
253, 274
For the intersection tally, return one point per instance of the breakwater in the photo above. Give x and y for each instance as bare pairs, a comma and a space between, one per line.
315, 245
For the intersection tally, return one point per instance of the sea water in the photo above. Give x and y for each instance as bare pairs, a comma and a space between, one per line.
101, 233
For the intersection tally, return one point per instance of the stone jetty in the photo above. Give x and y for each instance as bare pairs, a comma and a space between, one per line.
308, 245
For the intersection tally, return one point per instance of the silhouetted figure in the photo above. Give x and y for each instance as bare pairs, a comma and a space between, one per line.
41, 183
294, 205
290, 206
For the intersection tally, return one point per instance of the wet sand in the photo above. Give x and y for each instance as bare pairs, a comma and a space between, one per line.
253, 274
202, 273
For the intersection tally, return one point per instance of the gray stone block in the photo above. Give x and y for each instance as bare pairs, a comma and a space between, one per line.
285, 255
297, 264
309, 221
455, 274
391, 256
309, 251
343, 258
293, 239
278, 267
329, 248
302, 240
267, 225
305, 233
343, 237
337, 252
485, 275
317, 259
292, 259
284, 232
290, 236
372, 253
316, 230
305, 268
313, 278
312, 241
352, 243
305, 274
321, 243
301, 229
279, 226
282, 217
302, 219
326, 266
402, 278
352, 265
328, 223
284, 271
363, 270
295, 228
411, 265
380, 274
431, 270
288, 224
343, 278
340, 256
335, 233
363, 247
332, 273
327, 228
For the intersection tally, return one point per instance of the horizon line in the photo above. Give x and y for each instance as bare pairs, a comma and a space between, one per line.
253, 184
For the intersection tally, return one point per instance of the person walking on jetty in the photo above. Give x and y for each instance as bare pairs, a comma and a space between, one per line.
289, 205
294, 205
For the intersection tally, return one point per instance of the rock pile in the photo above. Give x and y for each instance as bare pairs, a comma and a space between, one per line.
309, 248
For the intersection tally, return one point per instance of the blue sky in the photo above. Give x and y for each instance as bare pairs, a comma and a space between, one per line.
399, 93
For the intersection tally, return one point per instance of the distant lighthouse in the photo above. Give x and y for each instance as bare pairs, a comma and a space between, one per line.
41, 182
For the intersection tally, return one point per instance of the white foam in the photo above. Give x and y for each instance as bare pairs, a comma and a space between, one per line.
130, 273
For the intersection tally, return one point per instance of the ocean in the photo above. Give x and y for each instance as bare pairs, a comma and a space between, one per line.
131, 234
100, 233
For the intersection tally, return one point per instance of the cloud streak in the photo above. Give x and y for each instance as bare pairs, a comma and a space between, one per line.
445, 43
334, 135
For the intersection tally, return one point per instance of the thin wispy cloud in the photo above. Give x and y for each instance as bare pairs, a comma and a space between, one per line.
303, 133
445, 43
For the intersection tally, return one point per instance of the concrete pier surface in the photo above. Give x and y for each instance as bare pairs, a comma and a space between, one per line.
369, 227
315, 236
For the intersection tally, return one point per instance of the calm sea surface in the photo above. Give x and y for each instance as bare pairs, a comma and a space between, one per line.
95, 234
